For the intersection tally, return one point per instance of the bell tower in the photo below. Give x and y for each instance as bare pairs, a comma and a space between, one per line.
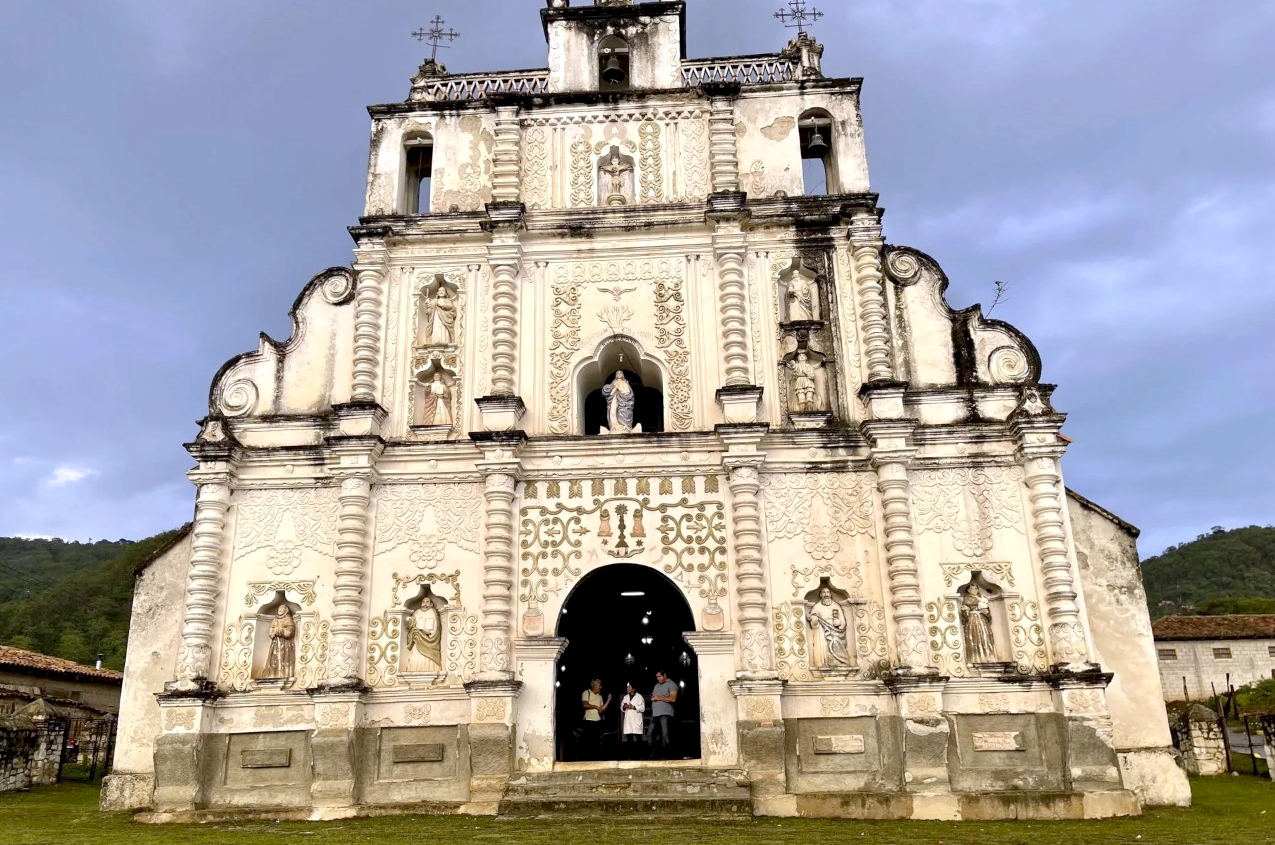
615, 46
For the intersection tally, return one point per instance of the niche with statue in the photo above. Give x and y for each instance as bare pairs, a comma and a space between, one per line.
806, 363
621, 390
828, 611
434, 398
278, 631
980, 605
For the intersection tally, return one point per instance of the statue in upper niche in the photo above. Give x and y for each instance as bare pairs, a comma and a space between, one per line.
436, 402
620, 398
809, 395
439, 319
615, 178
803, 298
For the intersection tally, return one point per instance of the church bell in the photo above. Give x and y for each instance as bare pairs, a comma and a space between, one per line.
818, 147
613, 74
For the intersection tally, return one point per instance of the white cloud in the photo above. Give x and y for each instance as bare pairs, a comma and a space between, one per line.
64, 475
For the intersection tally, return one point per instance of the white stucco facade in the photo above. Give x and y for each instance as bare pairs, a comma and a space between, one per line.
394, 443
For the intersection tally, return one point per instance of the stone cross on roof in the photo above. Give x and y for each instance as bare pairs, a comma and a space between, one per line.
435, 35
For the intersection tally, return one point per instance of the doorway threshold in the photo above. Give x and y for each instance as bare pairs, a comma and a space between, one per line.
604, 765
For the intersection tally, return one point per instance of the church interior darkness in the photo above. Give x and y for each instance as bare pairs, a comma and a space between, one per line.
605, 629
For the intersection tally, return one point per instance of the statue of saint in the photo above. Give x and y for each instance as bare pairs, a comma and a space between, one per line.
806, 393
803, 299
440, 319
424, 638
281, 660
620, 397
436, 402
828, 627
976, 619
614, 173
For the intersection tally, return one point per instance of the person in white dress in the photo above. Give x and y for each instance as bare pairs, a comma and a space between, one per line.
632, 706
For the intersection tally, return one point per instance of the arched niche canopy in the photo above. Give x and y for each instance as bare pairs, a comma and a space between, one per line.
620, 353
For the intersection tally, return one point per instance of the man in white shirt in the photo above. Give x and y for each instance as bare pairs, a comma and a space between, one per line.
594, 707
631, 708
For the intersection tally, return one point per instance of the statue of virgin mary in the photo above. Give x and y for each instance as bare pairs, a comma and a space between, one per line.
620, 398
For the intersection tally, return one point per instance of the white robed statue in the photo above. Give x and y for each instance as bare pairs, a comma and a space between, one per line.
620, 398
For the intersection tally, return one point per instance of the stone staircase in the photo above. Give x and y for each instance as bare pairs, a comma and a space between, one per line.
647, 792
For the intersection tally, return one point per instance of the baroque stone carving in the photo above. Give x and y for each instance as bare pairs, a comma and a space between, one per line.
829, 622
284, 522
620, 400
969, 504
281, 659
976, 622
615, 179
808, 383
428, 518
821, 508
651, 161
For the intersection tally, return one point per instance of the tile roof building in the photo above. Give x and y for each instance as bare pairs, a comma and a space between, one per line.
1199, 655
41, 675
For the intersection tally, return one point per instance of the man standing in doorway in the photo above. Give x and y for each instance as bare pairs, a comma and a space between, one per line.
594, 707
662, 699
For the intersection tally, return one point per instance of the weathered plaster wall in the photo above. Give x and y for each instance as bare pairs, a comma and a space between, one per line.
154, 638
461, 176
655, 50
102, 696
769, 149
1120, 625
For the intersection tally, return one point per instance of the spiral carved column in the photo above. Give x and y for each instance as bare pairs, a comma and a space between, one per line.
505, 165
208, 539
729, 247
367, 334
505, 256
744, 479
723, 151
498, 575
345, 658
865, 250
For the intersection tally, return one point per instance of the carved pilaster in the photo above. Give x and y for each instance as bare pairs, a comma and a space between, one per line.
865, 249
369, 297
203, 580
730, 247
1039, 449
743, 466
505, 256
722, 151
500, 469
891, 453
505, 162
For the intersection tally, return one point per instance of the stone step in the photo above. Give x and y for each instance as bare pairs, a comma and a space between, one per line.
641, 788
650, 808
583, 777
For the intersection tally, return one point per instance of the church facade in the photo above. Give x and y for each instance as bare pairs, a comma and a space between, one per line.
624, 378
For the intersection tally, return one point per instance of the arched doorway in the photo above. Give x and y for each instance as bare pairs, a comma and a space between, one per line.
622, 623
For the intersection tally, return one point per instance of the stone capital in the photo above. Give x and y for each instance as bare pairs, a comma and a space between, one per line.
739, 403
359, 419
500, 413
865, 227
505, 218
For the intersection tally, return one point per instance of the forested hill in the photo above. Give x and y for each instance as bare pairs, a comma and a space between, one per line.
70, 600
1219, 572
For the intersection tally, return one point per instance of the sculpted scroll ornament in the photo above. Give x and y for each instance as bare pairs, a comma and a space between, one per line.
670, 329
969, 504
564, 343
1027, 636
428, 517
821, 508
651, 162
238, 398
283, 523
947, 646
581, 173
535, 168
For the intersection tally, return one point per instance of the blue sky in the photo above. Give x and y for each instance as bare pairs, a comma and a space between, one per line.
173, 171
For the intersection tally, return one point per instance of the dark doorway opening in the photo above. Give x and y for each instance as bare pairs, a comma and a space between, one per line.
623, 623
648, 406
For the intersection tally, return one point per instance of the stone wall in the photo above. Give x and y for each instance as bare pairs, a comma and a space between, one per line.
28, 753
1197, 662
1203, 747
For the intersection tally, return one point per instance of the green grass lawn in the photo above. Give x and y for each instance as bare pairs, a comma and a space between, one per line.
1231, 810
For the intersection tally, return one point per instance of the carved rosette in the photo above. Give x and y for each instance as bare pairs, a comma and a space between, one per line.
744, 480
729, 247
901, 566
208, 537
367, 334
865, 250
352, 554
1066, 633
498, 575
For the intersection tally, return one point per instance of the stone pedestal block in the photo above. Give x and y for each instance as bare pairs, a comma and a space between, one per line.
335, 758
177, 772
491, 762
